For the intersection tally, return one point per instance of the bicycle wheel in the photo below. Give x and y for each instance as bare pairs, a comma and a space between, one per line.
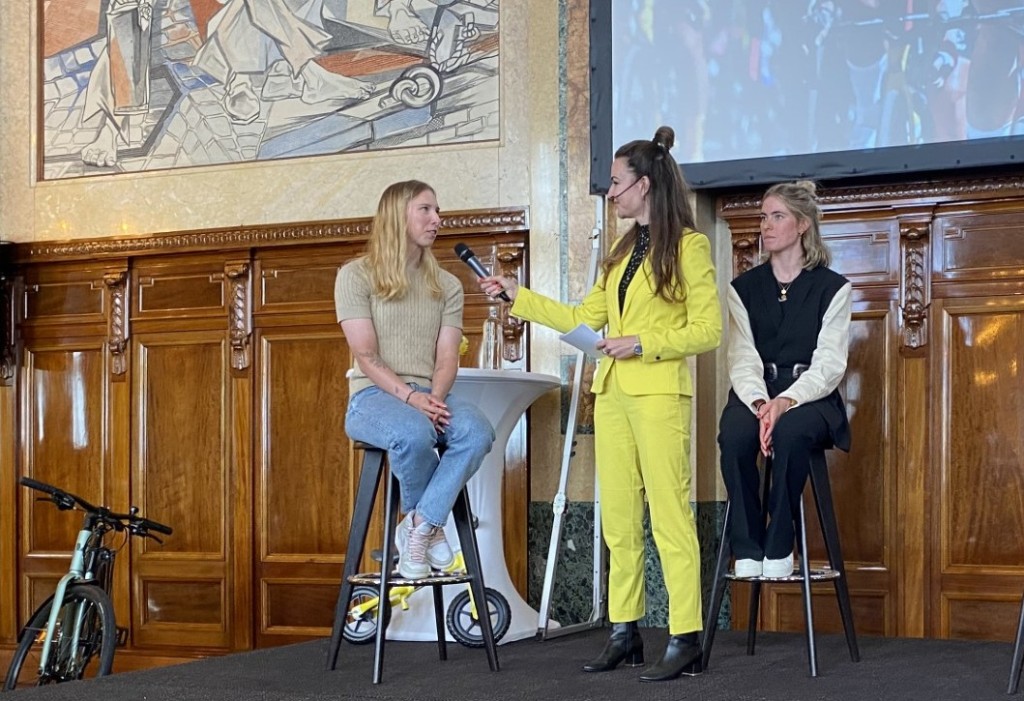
87, 609
465, 627
361, 627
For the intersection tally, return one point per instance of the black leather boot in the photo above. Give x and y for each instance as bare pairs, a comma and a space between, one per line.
624, 645
682, 656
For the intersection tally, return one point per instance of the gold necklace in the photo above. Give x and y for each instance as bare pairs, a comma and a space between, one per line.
783, 289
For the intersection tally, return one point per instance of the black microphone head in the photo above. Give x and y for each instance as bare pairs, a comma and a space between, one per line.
463, 252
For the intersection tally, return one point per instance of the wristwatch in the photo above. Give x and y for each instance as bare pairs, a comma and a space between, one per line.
638, 350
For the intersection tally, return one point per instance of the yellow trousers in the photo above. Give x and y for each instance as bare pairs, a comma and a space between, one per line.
642, 446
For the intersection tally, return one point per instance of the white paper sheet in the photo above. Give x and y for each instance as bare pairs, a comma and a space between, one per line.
584, 338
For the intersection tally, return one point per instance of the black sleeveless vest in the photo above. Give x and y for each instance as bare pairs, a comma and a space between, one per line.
786, 333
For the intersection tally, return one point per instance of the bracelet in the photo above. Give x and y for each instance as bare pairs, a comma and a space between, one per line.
409, 396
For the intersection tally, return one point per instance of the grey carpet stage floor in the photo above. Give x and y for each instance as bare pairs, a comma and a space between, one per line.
930, 670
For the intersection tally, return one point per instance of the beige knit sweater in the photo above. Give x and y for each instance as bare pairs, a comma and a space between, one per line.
407, 328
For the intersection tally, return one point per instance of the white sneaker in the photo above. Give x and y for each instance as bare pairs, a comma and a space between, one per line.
412, 554
439, 553
776, 569
747, 568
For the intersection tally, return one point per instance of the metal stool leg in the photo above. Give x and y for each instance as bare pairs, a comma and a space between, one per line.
442, 641
369, 481
1018, 653
812, 652
830, 534
755, 585
718, 589
463, 515
383, 601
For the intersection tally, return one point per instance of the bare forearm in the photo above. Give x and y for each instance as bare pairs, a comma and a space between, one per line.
444, 378
374, 367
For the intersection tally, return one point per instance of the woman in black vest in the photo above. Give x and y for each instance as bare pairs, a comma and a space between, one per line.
788, 342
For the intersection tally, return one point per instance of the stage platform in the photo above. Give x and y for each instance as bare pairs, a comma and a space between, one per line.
890, 668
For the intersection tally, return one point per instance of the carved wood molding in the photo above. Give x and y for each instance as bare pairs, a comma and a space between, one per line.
239, 275
744, 254
877, 194
117, 320
496, 220
510, 264
8, 329
915, 285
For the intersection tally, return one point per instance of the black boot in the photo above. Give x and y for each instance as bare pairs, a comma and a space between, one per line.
624, 645
682, 656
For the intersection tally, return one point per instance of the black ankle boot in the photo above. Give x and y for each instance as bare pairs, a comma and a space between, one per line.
682, 656
624, 645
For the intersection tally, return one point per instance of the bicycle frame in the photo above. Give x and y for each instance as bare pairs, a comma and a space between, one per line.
78, 622
79, 571
399, 596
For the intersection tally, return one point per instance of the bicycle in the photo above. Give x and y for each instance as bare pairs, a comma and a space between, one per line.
76, 625
463, 620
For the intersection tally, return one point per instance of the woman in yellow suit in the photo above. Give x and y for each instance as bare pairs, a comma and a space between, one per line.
658, 298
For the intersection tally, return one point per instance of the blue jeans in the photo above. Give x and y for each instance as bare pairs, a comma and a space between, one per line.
427, 484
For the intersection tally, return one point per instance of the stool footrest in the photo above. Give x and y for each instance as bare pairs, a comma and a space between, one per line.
822, 575
397, 580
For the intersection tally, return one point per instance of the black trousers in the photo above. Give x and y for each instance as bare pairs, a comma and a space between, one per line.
799, 432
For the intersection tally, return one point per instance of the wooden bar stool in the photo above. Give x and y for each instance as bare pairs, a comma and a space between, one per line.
1018, 653
374, 467
835, 572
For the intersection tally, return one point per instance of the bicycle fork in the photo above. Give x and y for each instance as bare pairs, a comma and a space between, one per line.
75, 572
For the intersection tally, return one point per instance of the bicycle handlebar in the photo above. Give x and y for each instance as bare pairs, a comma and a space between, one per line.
136, 525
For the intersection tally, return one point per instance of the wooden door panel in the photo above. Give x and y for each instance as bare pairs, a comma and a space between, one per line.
296, 608
184, 422
180, 286
975, 614
64, 425
864, 251
872, 611
305, 482
982, 434
64, 296
184, 477
979, 428
300, 281
979, 245
860, 478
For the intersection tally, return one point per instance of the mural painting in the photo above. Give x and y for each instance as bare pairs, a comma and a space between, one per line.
143, 85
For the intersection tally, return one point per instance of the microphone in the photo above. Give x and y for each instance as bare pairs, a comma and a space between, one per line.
614, 198
467, 256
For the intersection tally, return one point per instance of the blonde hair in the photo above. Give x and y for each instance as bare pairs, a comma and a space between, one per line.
801, 199
389, 242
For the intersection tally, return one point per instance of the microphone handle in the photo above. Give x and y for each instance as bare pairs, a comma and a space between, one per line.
478, 268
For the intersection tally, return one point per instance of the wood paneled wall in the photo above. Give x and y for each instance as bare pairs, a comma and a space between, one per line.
201, 377
929, 499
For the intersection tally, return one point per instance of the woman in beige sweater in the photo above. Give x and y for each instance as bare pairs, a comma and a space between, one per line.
402, 317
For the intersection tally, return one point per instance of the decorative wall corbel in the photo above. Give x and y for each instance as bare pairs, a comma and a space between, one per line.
744, 254
915, 287
8, 326
510, 263
745, 235
239, 275
117, 320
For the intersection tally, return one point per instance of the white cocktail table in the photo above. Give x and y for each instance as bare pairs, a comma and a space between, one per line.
503, 395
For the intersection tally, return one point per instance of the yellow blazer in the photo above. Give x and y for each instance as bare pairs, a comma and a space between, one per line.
668, 331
